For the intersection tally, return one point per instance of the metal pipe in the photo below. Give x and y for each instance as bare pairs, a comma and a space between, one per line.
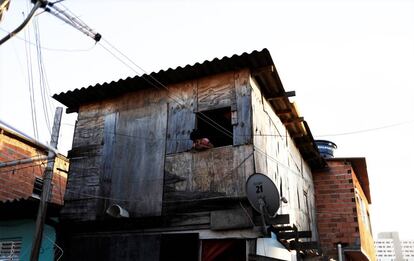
24, 161
340, 252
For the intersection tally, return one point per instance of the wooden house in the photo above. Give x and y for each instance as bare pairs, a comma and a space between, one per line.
134, 149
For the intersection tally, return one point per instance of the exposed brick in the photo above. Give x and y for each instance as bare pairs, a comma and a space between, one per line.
335, 203
17, 181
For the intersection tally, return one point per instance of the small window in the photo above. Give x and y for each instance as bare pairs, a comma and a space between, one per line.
10, 248
214, 125
37, 187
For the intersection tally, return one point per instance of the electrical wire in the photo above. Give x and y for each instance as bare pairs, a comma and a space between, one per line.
15, 169
368, 130
209, 121
281, 164
204, 117
157, 84
30, 85
42, 77
50, 48
57, 246
26, 158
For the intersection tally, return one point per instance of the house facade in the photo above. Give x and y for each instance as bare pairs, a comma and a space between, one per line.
22, 163
159, 166
342, 201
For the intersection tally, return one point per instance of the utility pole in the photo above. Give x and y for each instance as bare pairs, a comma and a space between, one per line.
47, 182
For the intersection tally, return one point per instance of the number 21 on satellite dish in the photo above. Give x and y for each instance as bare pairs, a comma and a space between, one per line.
263, 194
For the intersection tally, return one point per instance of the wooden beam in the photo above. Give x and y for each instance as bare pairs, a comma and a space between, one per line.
286, 95
253, 257
283, 228
291, 235
292, 121
265, 69
230, 219
279, 220
301, 139
303, 245
280, 112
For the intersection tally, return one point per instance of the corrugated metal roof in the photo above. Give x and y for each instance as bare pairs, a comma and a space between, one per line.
25, 208
262, 69
254, 60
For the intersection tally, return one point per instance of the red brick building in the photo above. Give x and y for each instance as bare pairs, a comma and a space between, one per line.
22, 164
342, 201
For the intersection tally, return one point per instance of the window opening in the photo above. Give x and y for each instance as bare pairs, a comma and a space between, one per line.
213, 129
37, 187
10, 249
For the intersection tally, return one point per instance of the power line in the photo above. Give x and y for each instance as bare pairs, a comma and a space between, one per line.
50, 48
30, 85
160, 85
42, 76
203, 116
368, 130
26, 167
281, 164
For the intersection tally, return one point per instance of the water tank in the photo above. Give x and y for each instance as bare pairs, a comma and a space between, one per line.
326, 148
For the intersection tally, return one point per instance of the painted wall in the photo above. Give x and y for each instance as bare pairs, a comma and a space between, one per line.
24, 229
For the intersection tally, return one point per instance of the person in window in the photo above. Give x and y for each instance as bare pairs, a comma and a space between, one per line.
200, 142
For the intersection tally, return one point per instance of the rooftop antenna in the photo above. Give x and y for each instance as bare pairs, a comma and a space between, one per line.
263, 196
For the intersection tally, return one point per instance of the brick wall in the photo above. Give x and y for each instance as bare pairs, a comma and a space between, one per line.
17, 181
336, 207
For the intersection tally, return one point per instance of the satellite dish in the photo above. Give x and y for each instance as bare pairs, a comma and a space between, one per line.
262, 194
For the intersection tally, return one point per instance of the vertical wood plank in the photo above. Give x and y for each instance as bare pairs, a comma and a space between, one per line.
109, 139
181, 117
243, 129
216, 92
138, 163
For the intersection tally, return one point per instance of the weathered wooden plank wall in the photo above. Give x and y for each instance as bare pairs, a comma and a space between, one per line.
118, 148
137, 170
120, 145
182, 106
110, 123
85, 167
242, 130
215, 92
218, 172
277, 156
